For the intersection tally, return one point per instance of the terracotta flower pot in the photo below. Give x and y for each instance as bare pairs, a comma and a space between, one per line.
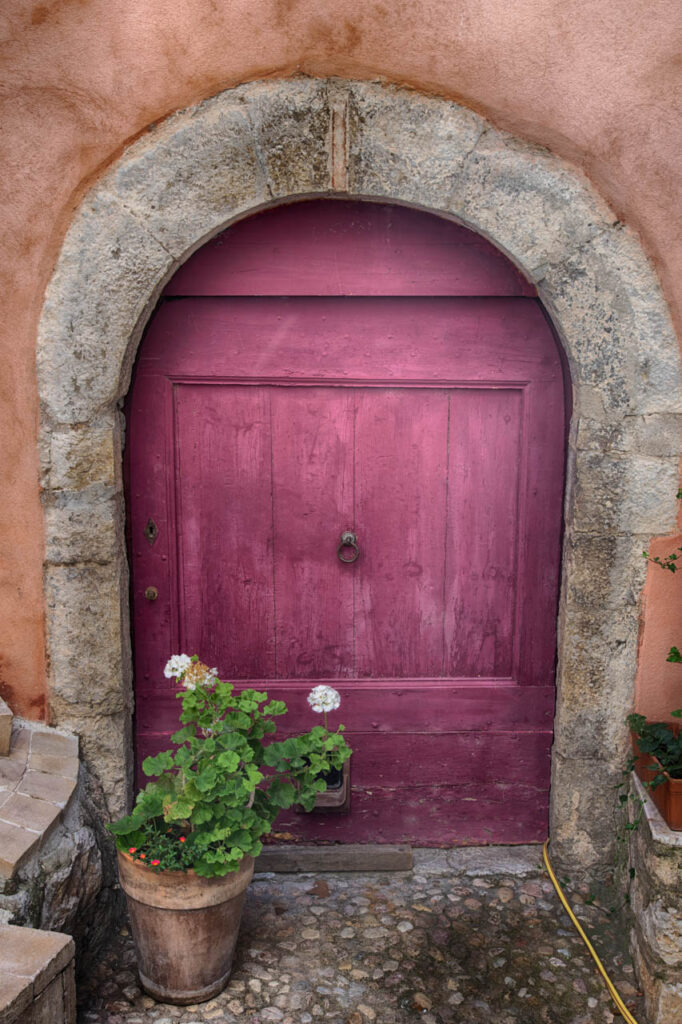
185, 928
668, 795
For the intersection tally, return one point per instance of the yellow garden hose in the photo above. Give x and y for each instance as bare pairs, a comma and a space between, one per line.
622, 1008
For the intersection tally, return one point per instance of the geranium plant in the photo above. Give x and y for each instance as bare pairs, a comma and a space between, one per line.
660, 741
214, 796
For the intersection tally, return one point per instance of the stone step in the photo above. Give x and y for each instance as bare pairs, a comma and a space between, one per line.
37, 782
36, 977
6, 718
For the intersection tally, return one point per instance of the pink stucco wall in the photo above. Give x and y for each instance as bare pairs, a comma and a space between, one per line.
598, 83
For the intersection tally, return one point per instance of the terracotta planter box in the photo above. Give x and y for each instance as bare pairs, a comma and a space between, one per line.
336, 798
667, 796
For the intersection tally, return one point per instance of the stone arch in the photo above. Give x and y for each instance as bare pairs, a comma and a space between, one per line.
266, 142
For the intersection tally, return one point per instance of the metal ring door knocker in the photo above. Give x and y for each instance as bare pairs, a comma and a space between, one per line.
348, 540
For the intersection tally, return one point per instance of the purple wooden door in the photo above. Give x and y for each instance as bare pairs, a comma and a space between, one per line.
408, 390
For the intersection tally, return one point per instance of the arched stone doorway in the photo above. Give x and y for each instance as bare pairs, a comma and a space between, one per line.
257, 144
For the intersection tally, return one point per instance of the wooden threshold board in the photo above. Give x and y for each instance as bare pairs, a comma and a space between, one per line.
363, 857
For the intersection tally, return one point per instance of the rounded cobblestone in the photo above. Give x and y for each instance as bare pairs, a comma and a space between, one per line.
385, 948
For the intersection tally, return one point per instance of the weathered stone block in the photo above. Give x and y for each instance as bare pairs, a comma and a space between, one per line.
15, 845
91, 313
655, 850
15, 999
48, 1007
627, 275
81, 457
662, 999
84, 531
36, 815
604, 297
54, 744
603, 571
406, 146
106, 745
51, 788
86, 629
66, 767
661, 927
38, 960
582, 803
542, 209
628, 495
291, 128
186, 184
653, 434
595, 683
11, 772
590, 304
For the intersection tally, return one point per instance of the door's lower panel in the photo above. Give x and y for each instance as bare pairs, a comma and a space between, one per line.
434, 764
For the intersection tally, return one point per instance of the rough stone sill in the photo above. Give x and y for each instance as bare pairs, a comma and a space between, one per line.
37, 782
659, 830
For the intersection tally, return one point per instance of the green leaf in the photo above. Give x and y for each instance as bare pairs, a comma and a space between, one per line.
228, 761
201, 814
206, 779
187, 732
281, 793
177, 810
636, 722
158, 764
183, 758
275, 707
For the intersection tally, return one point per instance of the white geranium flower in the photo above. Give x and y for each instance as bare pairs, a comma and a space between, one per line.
177, 665
324, 698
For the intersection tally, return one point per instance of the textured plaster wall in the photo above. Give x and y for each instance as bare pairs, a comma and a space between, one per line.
599, 84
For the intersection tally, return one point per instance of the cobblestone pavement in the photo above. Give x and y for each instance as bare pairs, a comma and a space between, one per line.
470, 936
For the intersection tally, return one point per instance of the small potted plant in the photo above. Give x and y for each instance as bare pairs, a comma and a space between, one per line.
658, 745
658, 763
186, 852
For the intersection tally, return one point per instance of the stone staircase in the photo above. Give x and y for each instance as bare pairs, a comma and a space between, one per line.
38, 776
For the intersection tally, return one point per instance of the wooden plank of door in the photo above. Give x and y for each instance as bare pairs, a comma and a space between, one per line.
391, 707
312, 502
485, 465
455, 815
391, 339
400, 494
224, 525
328, 247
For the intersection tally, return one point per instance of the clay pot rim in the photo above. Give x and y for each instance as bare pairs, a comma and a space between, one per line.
180, 890
170, 872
